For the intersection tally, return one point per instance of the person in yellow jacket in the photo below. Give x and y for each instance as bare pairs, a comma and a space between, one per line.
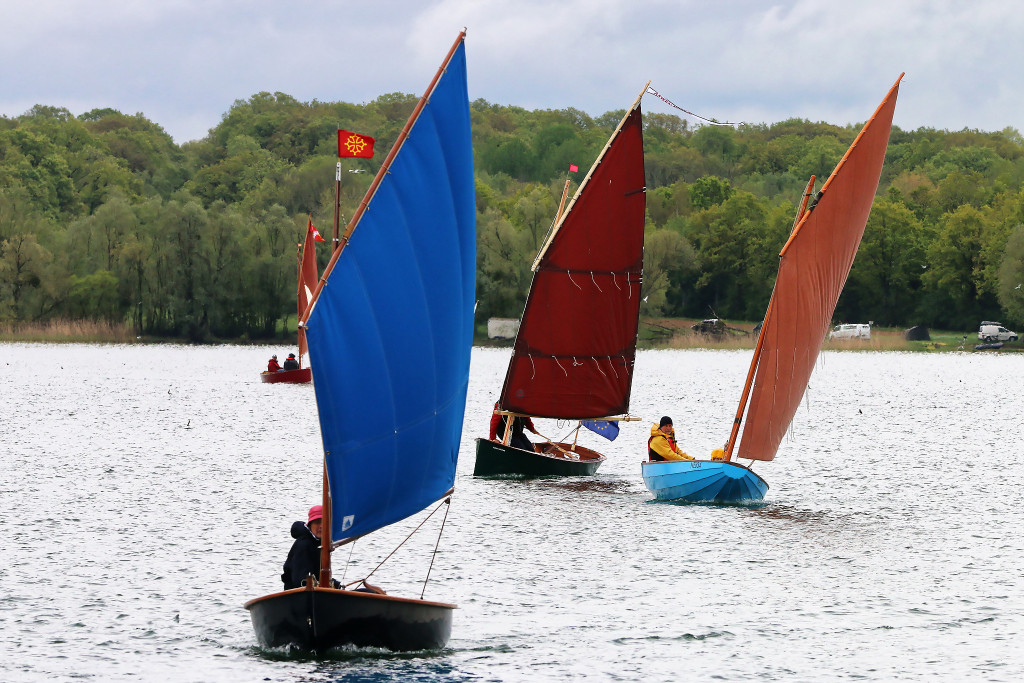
662, 444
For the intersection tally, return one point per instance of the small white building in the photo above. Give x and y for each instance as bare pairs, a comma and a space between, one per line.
502, 328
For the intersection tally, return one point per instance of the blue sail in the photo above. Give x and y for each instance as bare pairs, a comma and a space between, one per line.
390, 333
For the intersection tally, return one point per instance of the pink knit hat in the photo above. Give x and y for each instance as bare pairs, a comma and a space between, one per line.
316, 512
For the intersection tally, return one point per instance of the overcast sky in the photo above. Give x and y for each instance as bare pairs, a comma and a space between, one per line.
182, 63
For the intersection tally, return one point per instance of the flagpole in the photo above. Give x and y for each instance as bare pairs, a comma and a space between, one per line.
337, 208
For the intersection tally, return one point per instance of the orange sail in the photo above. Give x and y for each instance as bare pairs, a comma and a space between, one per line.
813, 267
307, 283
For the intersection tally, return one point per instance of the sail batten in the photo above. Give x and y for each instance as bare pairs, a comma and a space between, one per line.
574, 352
391, 327
814, 265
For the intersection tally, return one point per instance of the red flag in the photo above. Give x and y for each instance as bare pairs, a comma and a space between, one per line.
316, 233
573, 168
354, 145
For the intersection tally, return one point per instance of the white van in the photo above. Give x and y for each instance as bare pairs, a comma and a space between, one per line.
854, 331
991, 332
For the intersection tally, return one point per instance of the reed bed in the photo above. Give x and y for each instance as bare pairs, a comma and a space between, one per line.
68, 331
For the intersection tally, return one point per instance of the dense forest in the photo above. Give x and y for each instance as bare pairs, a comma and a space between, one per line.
103, 217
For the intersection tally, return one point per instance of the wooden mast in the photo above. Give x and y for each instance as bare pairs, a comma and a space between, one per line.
325, 528
731, 443
298, 258
561, 204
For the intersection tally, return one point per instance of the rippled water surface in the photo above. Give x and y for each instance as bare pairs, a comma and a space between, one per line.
146, 492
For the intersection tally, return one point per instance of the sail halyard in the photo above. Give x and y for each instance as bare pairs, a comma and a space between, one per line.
574, 351
390, 410
813, 267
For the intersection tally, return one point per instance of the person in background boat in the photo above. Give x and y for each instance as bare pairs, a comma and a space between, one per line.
518, 438
290, 363
662, 444
272, 365
304, 556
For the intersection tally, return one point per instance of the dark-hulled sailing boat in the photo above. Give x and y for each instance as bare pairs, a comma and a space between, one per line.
813, 267
391, 410
574, 352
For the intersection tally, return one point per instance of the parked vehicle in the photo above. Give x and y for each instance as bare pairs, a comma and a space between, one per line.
851, 331
990, 332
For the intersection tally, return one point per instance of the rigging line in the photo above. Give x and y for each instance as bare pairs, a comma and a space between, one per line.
448, 502
599, 367
559, 365
612, 365
614, 282
573, 281
348, 561
595, 281
532, 366
576, 362
363, 580
673, 104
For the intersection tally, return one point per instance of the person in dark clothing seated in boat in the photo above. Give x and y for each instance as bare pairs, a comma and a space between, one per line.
518, 438
290, 363
272, 365
304, 557
662, 444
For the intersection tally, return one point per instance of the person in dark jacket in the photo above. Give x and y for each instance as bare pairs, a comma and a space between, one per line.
304, 557
272, 365
290, 363
518, 438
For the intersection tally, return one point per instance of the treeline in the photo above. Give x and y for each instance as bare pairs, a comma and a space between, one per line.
104, 217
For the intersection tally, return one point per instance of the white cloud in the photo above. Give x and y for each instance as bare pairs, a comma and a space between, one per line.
183, 62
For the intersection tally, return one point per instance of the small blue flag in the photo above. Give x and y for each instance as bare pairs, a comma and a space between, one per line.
608, 430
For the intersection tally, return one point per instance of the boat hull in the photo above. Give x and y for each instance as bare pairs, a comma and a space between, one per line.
300, 376
322, 618
495, 459
703, 481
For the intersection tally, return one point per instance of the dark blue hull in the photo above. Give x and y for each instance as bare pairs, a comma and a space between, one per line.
703, 481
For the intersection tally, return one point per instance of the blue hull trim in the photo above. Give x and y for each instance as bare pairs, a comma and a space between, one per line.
703, 481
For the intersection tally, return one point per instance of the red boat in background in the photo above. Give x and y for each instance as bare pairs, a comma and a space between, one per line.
300, 376
307, 283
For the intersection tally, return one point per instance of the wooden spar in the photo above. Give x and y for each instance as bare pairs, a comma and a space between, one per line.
731, 443
842, 162
325, 533
610, 418
561, 204
579, 190
298, 255
507, 436
337, 207
385, 167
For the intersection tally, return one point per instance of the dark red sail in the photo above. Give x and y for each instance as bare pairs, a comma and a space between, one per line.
573, 356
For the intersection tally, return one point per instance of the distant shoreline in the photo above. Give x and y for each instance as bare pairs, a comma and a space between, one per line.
655, 333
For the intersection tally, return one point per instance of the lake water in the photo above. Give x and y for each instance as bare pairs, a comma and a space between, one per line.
146, 492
